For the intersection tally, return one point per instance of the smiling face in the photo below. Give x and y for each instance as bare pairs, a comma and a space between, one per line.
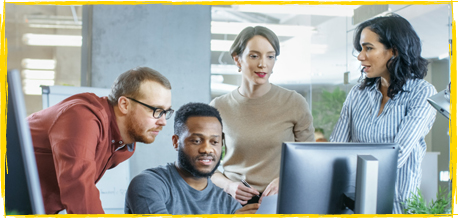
256, 61
374, 55
141, 126
199, 146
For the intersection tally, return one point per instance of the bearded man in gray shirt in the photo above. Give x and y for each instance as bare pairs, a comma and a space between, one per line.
185, 187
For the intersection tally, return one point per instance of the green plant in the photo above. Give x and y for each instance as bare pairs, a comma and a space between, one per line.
417, 204
12, 212
326, 110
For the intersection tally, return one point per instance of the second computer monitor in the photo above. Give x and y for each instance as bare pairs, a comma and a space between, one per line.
22, 185
315, 176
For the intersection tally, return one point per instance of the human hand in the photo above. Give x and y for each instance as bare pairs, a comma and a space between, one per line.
248, 209
240, 192
271, 189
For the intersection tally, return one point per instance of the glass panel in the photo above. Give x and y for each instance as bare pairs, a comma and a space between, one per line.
322, 65
44, 43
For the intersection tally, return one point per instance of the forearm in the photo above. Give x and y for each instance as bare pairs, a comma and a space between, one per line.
221, 181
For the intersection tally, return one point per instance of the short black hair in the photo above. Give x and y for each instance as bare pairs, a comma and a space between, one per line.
396, 33
193, 109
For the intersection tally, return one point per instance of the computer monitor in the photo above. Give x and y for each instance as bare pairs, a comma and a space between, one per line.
22, 185
441, 102
315, 176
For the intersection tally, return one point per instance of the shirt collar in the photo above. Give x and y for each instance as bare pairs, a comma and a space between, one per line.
116, 139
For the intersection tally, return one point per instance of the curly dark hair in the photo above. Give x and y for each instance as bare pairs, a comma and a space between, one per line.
396, 33
193, 109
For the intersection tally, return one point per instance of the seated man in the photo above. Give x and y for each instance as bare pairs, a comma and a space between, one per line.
185, 187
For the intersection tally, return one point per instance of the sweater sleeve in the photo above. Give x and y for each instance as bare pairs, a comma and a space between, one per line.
146, 194
212, 103
418, 121
303, 128
74, 138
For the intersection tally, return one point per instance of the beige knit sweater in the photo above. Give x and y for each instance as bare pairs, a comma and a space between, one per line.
255, 130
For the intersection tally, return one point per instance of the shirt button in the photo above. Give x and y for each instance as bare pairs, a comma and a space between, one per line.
113, 141
120, 142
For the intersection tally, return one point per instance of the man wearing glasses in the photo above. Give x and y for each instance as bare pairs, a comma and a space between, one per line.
78, 139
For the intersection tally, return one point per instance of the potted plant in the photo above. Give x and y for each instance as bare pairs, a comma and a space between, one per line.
418, 205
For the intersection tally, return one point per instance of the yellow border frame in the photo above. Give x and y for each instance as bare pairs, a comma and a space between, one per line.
4, 94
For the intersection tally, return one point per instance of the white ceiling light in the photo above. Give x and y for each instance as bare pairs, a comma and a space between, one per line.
225, 45
218, 89
443, 56
318, 48
217, 78
52, 21
41, 64
38, 74
52, 40
32, 86
224, 69
55, 26
220, 45
280, 30
323, 10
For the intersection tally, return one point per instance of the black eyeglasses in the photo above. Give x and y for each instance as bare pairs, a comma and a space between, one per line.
157, 112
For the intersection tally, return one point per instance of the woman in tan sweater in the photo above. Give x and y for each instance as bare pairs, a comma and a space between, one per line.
257, 117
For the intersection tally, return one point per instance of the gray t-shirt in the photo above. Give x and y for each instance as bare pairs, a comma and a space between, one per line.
162, 190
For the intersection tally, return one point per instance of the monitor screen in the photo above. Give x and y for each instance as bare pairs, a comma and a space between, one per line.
22, 186
315, 176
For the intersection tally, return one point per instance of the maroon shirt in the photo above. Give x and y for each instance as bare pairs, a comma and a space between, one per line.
75, 142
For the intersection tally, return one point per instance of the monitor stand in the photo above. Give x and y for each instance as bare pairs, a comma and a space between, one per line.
364, 200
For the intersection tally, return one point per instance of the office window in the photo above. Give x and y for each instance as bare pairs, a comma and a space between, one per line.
44, 44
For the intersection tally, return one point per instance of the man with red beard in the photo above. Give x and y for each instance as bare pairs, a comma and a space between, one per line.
185, 187
78, 139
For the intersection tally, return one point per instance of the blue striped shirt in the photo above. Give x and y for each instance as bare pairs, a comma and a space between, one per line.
405, 120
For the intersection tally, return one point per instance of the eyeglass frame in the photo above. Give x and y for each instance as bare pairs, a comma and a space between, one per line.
154, 109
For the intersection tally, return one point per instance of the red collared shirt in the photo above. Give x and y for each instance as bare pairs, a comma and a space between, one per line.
75, 142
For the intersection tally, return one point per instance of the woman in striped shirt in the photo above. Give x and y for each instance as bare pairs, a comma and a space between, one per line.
389, 105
